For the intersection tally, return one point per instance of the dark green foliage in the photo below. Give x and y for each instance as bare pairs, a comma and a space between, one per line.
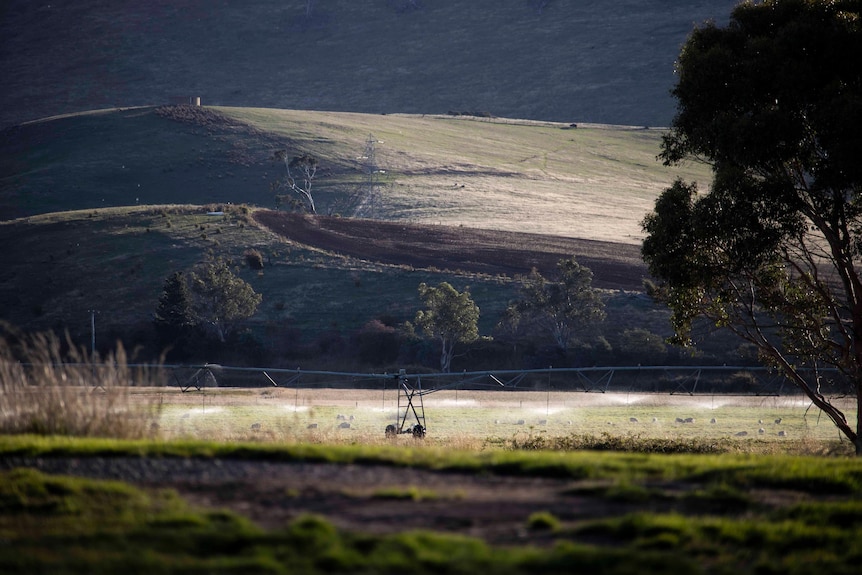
221, 298
543, 521
622, 443
559, 308
253, 258
377, 343
450, 317
773, 103
174, 318
643, 347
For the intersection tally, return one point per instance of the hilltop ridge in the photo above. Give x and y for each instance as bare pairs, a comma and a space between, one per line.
570, 61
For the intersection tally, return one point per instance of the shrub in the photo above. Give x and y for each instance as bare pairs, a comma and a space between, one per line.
377, 343
253, 258
624, 443
543, 521
643, 346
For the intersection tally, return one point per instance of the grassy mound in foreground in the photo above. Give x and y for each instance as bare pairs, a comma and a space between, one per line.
720, 521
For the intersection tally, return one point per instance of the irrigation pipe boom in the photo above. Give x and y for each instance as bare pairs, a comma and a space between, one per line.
411, 392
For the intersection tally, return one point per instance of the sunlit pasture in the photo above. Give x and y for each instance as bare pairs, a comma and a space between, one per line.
479, 418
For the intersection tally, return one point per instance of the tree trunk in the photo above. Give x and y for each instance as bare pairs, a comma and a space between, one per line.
858, 441
446, 354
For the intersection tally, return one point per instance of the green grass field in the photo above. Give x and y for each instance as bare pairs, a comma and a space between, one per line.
485, 418
680, 513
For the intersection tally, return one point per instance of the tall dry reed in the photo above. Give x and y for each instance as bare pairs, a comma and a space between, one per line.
51, 388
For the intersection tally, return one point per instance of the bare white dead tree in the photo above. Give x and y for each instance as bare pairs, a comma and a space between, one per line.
300, 174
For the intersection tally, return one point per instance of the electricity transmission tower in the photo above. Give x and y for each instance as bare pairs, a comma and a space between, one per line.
369, 197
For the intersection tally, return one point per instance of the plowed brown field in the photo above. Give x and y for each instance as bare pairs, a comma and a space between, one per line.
614, 266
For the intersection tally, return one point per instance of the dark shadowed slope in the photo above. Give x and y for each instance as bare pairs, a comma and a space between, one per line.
606, 62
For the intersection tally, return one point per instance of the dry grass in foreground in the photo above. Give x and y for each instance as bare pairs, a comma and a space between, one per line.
50, 387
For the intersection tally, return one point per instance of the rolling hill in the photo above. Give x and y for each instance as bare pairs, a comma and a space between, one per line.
468, 200
106, 184
569, 61
590, 181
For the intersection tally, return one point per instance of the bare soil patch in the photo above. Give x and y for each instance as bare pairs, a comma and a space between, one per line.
359, 498
493, 252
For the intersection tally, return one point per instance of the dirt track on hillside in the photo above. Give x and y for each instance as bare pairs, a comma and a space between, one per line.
614, 266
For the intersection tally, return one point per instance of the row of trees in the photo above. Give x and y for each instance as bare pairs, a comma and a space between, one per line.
211, 300
559, 308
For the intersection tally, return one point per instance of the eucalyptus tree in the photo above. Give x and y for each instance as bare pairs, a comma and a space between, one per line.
221, 298
450, 316
300, 172
559, 307
174, 318
772, 251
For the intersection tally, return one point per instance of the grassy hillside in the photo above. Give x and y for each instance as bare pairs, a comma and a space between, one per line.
594, 182
609, 62
97, 229
57, 267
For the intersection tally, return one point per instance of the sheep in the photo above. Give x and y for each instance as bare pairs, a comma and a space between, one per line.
782, 433
778, 421
713, 420
312, 426
633, 420
255, 427
742, 434
688, 420
761, 431
520, 422
344, 425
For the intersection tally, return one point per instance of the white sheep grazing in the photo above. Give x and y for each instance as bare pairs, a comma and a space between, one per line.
782, 433
777, 421
713, 420
688, 420
761, 431
680, 420
633, 420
